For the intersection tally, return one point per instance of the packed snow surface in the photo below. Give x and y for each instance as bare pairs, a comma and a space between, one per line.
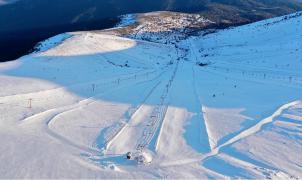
225, 105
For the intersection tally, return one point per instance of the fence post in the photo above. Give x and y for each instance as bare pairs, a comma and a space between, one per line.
93, 87
29, 103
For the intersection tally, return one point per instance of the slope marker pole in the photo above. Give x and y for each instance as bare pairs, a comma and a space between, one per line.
30, 103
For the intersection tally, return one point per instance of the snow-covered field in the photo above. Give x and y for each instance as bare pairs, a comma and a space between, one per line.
226, 105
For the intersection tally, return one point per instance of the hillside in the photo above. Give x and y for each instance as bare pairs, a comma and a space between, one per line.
26, 22
225, 104
52, 13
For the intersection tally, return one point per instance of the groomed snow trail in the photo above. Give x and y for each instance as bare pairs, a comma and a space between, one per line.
139, 131
214, 106
44, 119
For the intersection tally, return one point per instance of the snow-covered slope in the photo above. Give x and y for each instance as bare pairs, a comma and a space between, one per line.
223, 105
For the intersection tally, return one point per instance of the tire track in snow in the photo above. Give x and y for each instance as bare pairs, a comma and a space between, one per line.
124, 124
253, 79
89, 99
77, 84
132, 136
209, 136
48, 116
153, 129
245, 133
135, 121
262, 171
254, 129
242, 135
202, 113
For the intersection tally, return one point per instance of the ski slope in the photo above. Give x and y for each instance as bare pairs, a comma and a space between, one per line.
224, 105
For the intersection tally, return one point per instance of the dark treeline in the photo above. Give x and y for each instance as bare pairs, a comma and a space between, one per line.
26, 22
15, 44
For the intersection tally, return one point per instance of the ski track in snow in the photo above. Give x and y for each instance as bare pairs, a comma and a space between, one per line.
193, 51
148, 132
148, 121
85, 101
47, 117
245, 133
215, 151
101, 81
137, 110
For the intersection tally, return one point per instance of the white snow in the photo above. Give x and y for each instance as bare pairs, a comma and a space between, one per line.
126, 20
74, 108
51, 42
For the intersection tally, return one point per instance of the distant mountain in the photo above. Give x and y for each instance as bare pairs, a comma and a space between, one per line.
227, 105
25, 22
29, 14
